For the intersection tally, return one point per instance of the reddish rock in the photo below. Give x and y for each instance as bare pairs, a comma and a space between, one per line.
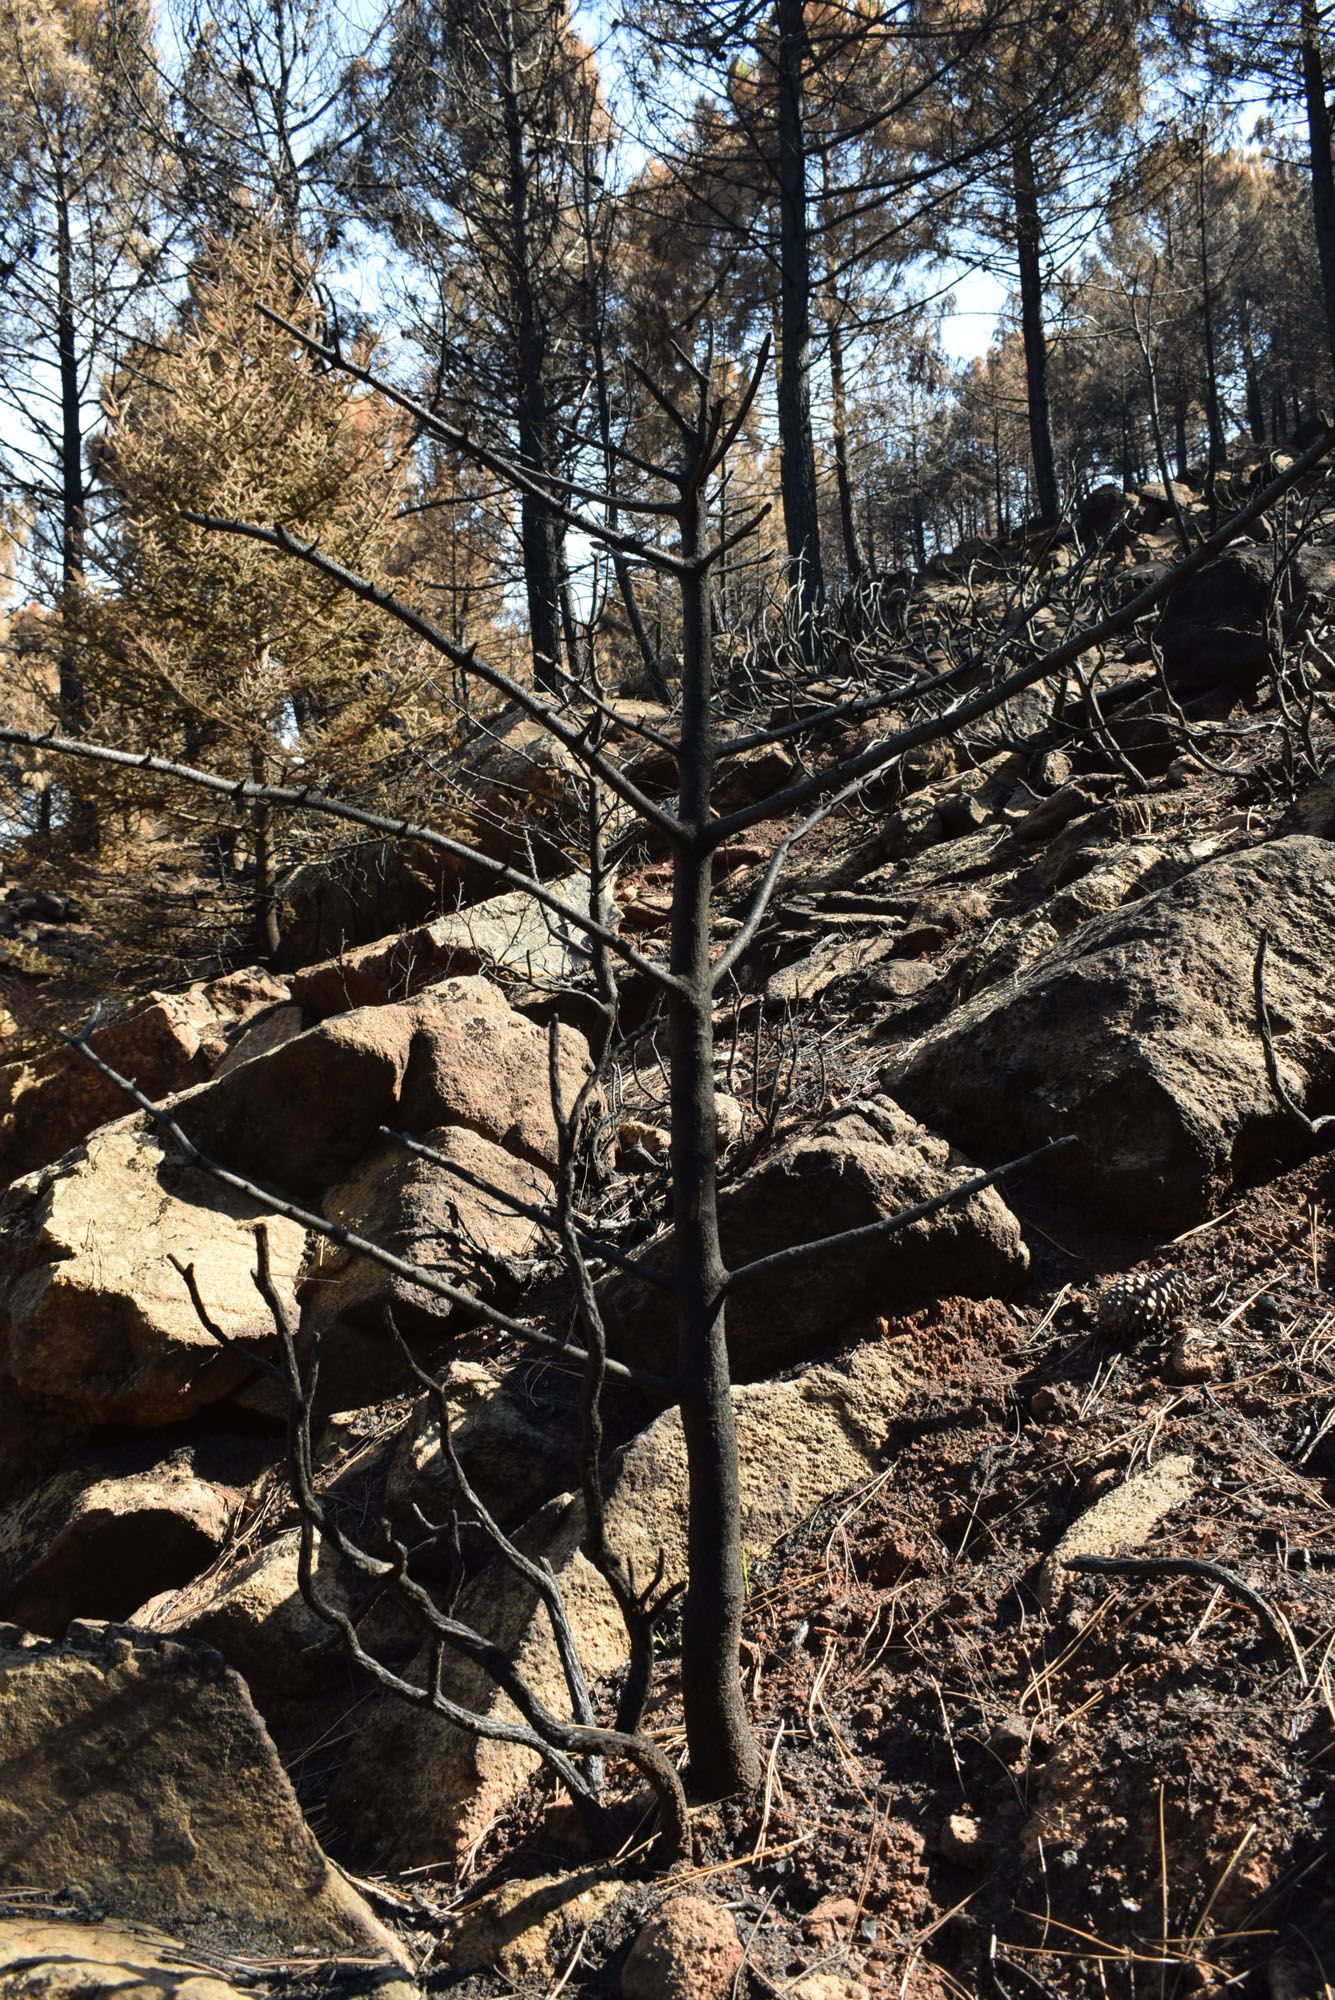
689, 1951
174, 1040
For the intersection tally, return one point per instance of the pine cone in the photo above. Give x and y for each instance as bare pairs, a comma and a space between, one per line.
1141, 1303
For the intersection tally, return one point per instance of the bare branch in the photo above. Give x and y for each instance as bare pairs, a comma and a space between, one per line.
1210, 1572
554, 1740
545, 1218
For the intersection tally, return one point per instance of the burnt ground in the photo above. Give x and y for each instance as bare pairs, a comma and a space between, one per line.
966, 1795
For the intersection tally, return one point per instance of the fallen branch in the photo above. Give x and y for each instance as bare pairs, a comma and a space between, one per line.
1209, 1572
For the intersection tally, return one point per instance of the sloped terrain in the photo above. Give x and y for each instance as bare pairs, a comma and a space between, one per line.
985, 1770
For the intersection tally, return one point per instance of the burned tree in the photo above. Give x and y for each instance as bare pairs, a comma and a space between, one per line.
697, 743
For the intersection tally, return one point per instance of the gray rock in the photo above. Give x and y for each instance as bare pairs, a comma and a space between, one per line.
1138, 1034
512, 933
136, 1776
857, 1168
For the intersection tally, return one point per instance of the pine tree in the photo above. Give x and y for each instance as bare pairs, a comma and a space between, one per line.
260, 668
79, 188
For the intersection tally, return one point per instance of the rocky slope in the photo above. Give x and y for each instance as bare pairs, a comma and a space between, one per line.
985, 1770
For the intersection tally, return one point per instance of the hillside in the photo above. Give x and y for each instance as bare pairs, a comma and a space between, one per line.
1104, 914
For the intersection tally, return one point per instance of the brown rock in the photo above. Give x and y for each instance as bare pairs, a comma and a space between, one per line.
45, 1958
526, 794
174, 1040
1047, 818
963, 1841
1095, 836
1157, 500
300, 1117
476, 1062
97, 1539
516, 1438
521, 1929
1120, 877
138, 1777
902, 978
265, 1032
832, 1917
92, 1311
1313, 811
1139, 1035
428, 1216
828, 1986
1123, 1519
689, 1951
1215, 628
255, 1616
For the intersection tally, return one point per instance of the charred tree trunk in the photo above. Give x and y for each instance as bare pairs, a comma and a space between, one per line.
1318, 148
1029, 247
797, 451
539, 533
855, 558
722, 1751
1180, 428
1213, 418
1252, 377
73, 518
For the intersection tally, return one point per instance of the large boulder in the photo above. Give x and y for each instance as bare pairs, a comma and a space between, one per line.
425, 1214
172, 1041
515, 1432
253, 1613
414, 1788
1139, 1035
300, 1117
93, 1311
368, 891
522, 796
136, 1777
513, 933
856, 1169
98, 1538
1100, 514
1157, 500
1215, 627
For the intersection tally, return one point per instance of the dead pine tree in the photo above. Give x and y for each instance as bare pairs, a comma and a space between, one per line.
698, 741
